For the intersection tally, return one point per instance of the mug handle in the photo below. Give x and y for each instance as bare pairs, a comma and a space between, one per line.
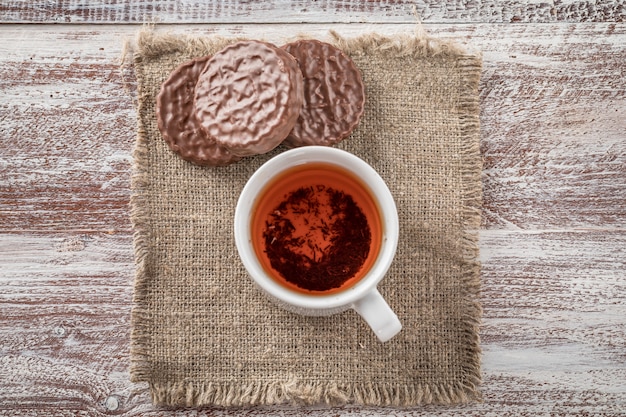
377, 313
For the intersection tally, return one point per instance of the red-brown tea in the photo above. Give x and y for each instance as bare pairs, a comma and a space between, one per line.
316, 229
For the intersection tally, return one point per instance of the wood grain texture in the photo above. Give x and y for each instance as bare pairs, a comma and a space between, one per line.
560, 95
553, 122
305, 11
67, 128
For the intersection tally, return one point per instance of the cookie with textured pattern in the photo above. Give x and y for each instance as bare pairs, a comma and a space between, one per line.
334, 94
177, 121
249, 96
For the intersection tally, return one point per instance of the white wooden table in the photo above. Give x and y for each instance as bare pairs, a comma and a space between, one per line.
553, 241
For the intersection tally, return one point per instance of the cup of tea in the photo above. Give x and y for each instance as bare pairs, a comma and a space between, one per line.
317, 229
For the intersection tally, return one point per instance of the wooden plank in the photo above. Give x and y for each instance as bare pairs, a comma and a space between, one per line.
553, 329
68, 128
307, 11
554, 319
553, 115
64, 321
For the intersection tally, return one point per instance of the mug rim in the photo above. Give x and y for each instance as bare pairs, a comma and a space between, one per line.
299, 156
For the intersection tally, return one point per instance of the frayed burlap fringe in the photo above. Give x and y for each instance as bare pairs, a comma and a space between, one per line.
296, 393
471, 215
291, 390
419, 45
141, 341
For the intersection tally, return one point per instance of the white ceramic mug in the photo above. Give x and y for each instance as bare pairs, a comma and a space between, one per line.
363, 296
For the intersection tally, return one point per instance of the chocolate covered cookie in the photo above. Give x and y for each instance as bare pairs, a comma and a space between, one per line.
334, 94
177, 121
249, 96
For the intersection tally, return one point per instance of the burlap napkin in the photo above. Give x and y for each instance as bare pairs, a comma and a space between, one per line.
203, 334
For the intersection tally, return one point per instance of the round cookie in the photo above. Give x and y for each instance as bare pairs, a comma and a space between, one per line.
334, 94
177, 121
248, 97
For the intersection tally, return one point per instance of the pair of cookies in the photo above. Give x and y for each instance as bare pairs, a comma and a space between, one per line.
251, 96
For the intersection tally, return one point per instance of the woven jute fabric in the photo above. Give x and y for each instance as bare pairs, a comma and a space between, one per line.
204, 334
